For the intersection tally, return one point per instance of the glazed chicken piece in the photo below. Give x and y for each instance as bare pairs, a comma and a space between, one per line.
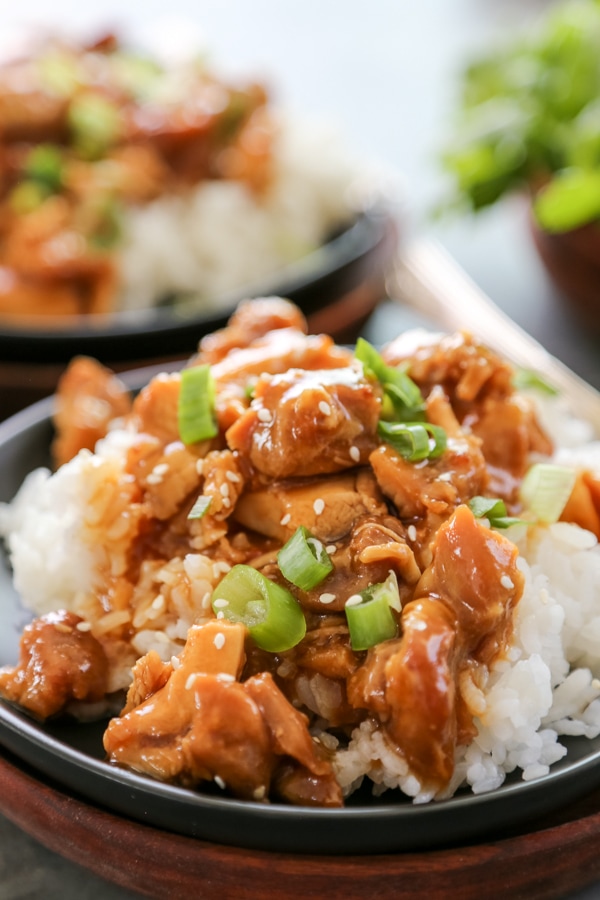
60, 663
461, 615
328, 507
89, 397
251, 320
191, 721
274, 353
308, 423
479, 386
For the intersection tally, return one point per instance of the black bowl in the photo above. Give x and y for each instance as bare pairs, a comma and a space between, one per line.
337, 287
71, 755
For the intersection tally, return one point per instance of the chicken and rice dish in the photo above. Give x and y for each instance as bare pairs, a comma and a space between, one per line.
292, 567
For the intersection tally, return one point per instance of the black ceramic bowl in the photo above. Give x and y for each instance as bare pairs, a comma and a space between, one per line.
337, 286
70, 755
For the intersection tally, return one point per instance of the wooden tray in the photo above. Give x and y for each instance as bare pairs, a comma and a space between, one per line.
546, 860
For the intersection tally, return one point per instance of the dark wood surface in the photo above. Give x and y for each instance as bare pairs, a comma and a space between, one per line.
547, 860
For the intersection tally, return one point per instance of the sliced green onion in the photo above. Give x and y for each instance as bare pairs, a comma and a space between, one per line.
526, 379
303, 560
95, 124
545, 490
414, 441
200, 507
271, 613
196, 405
494, 510
404, 399
44, 164
369, 614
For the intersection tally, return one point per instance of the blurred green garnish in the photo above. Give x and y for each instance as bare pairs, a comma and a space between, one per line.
529, 118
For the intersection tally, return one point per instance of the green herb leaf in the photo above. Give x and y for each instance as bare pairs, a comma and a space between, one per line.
570, 200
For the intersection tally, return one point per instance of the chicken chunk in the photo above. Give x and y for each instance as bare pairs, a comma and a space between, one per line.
60, 663
89, 397
308, 423
327, 507
461, 614
251, 320
195, 722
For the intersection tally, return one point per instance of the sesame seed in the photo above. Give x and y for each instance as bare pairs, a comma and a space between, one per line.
226, 502
354, 453
189, 684
175, 662
411, 531
331, 548
199, 466
154, 479
219, 781
158, 602
327, 598
354, 600
83, 626
319, 506
160, 469
219, 640
225, 677
224, 489
233, 477
220, 614
507, 582
445, 476
205, 602
221, 603
259, 793
285, 520
325, 408
264, 415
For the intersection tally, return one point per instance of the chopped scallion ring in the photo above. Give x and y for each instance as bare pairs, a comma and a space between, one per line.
200, 507
271, 613
303, 560
545, 490
414, 441
369, 614
196, 405
494, 510
403, 399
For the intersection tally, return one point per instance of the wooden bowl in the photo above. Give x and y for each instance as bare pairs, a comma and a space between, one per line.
572, 260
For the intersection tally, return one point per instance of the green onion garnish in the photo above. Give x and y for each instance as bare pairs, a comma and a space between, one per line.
95, 124
404, 399
369, 614
494, 510
414, 441
200, 507
303, 560
526, 379
44, 164
196, 405
271, 613
545, 490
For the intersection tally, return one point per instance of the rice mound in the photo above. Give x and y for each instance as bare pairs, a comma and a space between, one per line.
220, 237
546, 687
